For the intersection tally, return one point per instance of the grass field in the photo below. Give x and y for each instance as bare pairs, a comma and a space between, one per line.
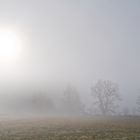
71, 129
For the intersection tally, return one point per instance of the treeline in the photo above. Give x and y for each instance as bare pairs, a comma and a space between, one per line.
105, 97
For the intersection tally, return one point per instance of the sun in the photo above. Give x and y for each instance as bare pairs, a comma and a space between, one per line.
10, 46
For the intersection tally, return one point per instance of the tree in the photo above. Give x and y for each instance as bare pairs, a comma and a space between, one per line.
41, 103
126, 111
106, 95
134, 111
138, 103
71, 102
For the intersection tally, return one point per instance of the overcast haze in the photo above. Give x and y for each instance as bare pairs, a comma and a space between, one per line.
74, 41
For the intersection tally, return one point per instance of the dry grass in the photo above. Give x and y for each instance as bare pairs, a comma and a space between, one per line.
71, 129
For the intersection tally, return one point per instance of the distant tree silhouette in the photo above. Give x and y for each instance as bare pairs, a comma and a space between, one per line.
71, 102
138, 103
126, 111
134, 111
105, 95
40, 102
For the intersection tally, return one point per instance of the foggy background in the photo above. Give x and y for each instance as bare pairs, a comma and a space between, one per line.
71, 42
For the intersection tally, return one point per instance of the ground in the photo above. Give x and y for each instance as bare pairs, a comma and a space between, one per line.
109, 128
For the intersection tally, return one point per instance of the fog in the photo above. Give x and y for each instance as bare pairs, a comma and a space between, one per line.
68, 44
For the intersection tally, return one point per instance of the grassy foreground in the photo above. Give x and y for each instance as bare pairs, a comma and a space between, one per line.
71, 129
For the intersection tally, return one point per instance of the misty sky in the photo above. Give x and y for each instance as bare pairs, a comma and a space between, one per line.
75, 41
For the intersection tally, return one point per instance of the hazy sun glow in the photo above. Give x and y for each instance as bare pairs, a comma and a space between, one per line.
10, 46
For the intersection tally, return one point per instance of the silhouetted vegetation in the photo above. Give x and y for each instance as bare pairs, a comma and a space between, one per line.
106, 95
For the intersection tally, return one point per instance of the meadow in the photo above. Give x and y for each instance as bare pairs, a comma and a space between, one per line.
109, 128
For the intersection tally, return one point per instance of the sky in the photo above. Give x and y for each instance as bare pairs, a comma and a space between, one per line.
75, 41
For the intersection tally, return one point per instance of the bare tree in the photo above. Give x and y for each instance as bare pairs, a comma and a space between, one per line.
71, 102
106, 95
